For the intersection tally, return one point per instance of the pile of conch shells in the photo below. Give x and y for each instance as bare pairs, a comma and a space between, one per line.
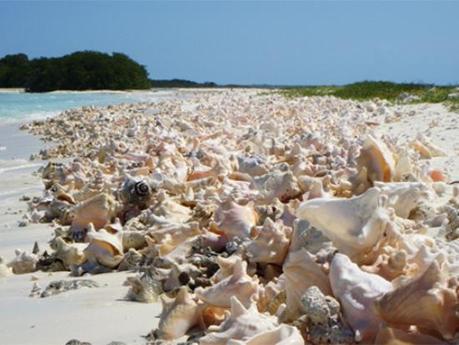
256, 219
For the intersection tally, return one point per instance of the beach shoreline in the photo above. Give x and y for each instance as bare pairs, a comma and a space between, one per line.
101, 315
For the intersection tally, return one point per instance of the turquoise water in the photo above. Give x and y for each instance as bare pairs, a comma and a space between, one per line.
20, 107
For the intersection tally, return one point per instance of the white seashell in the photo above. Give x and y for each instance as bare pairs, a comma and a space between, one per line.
271, 243
300, 273
235, 220
104, 248
429, 302
69, 254
241, 325
178, 315
282, 335
238, 284
378, 160
98, 210
357, 291
23, 262
353, 225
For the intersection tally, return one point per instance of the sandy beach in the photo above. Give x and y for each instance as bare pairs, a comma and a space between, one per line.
102, 314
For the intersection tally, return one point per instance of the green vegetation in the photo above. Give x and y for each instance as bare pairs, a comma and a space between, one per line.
180, 83
394, 92
86, 70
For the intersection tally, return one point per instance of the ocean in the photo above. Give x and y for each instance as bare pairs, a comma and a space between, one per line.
16, 107
19, 107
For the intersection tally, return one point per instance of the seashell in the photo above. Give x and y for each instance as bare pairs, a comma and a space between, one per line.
282, 335
428, 301
23, 262
59, 210
426, 148
357, 291
437, 175
235, 220
136, 191
276, 185
142, 290
253, 166
131, 261
241, 325
98, 210
69, 254
378, 160
354, 225
238, 284
168, 208
178, 315
301, 272
5, 271
226, 267
104, 248
394, 336
271, 243
403, 197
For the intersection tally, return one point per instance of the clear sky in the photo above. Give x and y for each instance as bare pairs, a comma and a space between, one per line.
302, 42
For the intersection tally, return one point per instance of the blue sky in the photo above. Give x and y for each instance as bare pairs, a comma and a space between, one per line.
307, 42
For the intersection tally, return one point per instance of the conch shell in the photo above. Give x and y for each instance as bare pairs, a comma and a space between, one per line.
235, 220
353, 225
378, 160
428, 302
104, 248
271, 243
98, 210
69, 254
282, 335
238, 284
241, 325
23, 262
394, 336
302, 272
357, 290
178, 315
426, 148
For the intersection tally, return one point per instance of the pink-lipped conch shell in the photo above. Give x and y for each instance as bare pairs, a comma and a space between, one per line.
377, 159
98, 210
238, 284
104, 248
403, 197
354, 225
276, 185
282, 335
356, 291
426, 148
429, 301
270, 246
226, 267
235, 220
300, 273
178, 315
394, 336
69, 253
241, 325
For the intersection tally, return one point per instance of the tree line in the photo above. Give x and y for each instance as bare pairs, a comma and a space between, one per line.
84, 70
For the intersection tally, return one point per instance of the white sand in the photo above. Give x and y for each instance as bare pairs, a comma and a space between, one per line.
100, 315
436, 122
